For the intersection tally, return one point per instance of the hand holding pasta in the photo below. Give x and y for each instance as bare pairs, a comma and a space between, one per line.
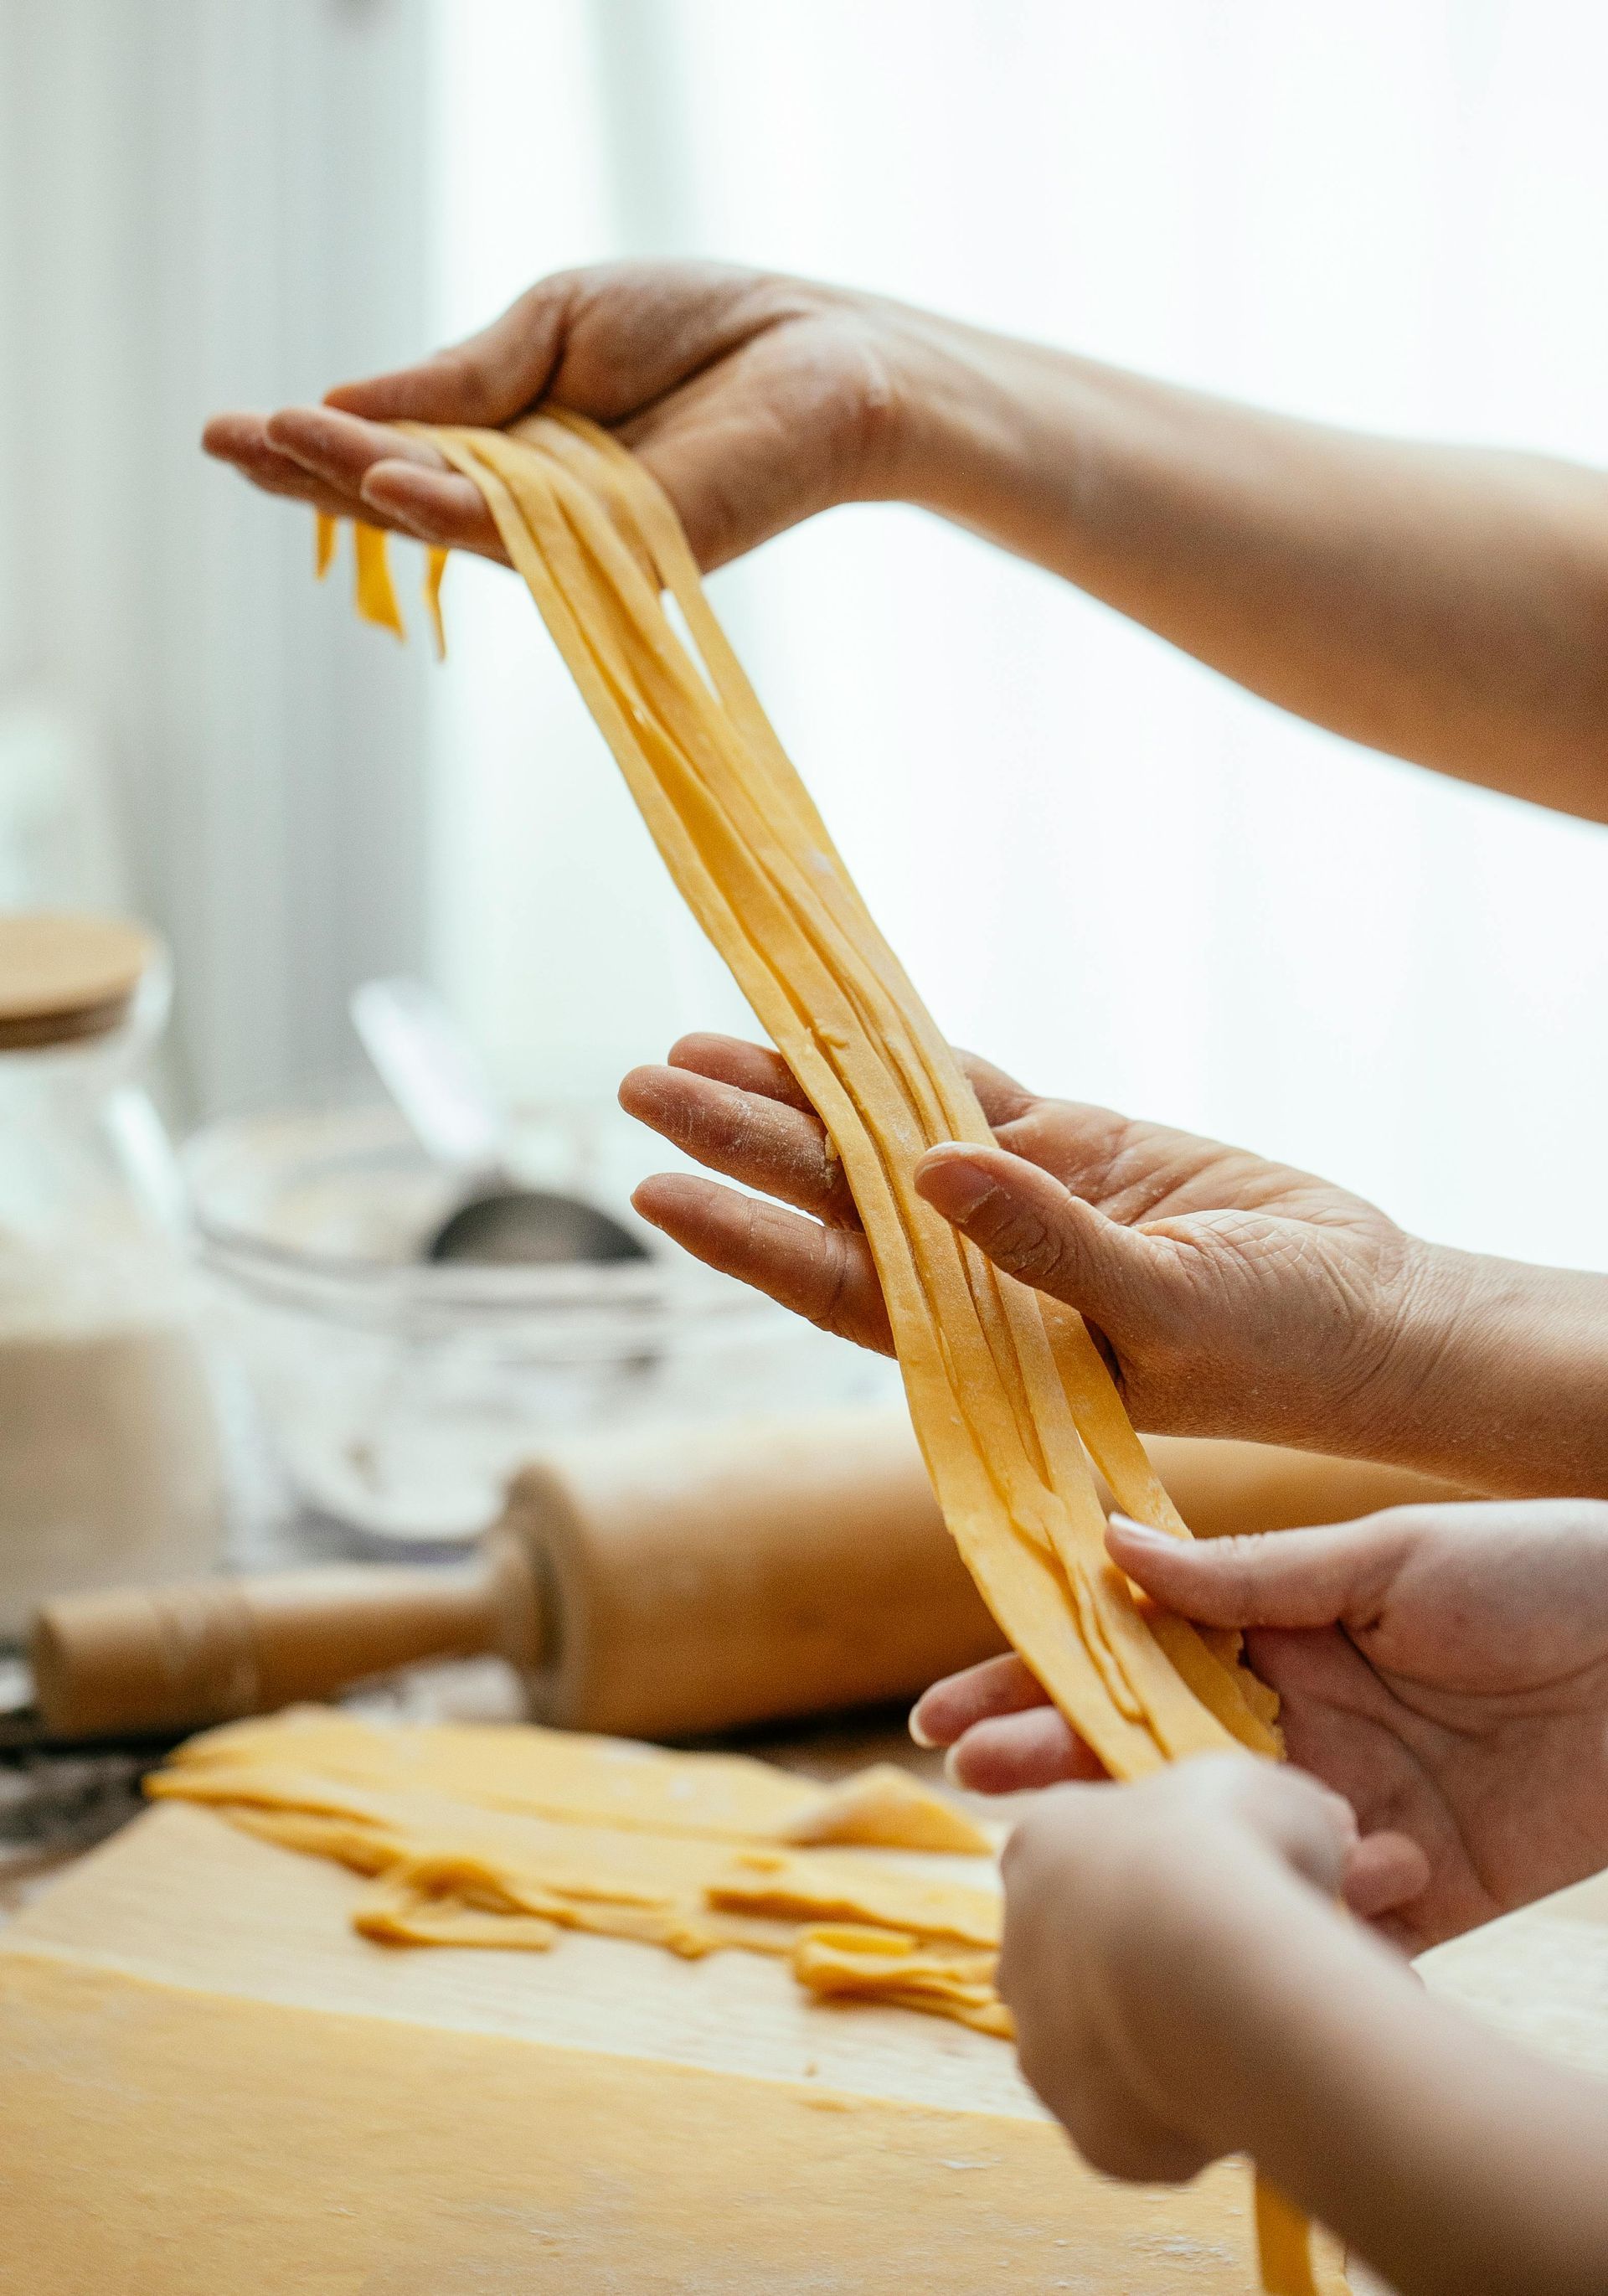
1125, 1913
1444, 1667
754, 400
1232, 1296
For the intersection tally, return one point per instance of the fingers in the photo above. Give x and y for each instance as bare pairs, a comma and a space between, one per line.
998, 1685
1339, 1573
241, 439
356, 471
823, 1274
1017, 1753
1383, 1873
1311, 1828
1002, 1734
356, 457
737, 1108
1002, 1100
435, 506
341, 450
759, 1141
1034, 1228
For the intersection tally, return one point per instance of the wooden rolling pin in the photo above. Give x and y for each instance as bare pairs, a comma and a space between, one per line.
661, 1585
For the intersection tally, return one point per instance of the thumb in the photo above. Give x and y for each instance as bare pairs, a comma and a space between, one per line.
1035, 1229
1342, 1572
488, 377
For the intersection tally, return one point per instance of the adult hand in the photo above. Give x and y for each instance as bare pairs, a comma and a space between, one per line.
1444, 1667
1232, 1296
1105, 1890
755, 400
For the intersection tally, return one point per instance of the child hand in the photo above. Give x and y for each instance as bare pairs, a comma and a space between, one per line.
1444, 1667
1123, 1906
1232, 1296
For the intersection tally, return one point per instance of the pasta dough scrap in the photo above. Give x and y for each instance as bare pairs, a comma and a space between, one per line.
884, 1807
574, 1776
851, 1961
1284, 2244
435, 566
400, 1805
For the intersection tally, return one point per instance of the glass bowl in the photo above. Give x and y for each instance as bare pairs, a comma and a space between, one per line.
401, 1393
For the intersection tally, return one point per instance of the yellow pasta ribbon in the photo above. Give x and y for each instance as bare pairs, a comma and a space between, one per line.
1007, 1392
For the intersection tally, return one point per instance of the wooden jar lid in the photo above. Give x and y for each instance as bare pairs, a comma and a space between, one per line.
66, 977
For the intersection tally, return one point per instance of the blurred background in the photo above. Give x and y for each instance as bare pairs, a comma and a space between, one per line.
1105, 867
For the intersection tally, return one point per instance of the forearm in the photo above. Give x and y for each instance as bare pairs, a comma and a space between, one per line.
1453, 2163
1497, 1380
1447, 605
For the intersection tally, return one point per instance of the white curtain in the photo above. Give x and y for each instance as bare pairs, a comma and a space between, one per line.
1106, 867
206, 203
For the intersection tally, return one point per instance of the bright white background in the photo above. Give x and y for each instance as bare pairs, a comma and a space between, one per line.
1102, 866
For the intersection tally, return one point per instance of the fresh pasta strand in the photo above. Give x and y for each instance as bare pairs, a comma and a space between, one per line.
375, 595
1284, 2244
1009, 1397
1000, 1402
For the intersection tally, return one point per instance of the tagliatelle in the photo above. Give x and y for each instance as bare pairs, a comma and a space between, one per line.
1006, 1397
999, 1403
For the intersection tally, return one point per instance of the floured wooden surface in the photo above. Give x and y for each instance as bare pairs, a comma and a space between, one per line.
1541, 1975
164, 2143
209, 2086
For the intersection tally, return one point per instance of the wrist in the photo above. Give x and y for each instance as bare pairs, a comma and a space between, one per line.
1495, 1376
969, 442
1420, 1321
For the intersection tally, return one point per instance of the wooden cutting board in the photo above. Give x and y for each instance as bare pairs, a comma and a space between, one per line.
209, 2084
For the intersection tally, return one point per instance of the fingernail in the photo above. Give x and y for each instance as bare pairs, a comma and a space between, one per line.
950, 1771
916, 1731
1142, 1530
964, 1187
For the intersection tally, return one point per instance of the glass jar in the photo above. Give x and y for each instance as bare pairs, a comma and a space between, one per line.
110, 1458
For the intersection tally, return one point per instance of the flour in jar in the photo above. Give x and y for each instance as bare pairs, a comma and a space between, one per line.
110, 1462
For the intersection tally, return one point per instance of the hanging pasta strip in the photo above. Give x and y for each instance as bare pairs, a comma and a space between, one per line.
1005, 1388
997, 1385
1032, 1592
1123, 1656
375, 595
1115, 1633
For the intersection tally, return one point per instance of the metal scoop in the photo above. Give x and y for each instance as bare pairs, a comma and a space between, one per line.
453, 1109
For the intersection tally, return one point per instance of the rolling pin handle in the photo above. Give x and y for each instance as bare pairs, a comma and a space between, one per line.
178, 1658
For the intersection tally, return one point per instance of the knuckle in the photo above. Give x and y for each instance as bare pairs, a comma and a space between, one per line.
835, 1263
833, 1183
1023, 1242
